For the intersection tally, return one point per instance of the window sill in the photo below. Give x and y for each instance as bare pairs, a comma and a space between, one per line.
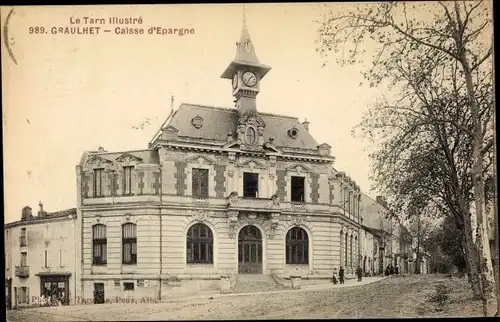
208, 265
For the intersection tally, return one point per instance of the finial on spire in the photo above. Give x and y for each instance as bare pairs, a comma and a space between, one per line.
244, 15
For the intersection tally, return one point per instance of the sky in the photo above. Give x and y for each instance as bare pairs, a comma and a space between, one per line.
72, 93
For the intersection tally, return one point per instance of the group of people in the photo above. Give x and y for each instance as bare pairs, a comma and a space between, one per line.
390, 270
340, 279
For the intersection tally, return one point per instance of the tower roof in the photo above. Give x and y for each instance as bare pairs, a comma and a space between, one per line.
245, 56
245, 50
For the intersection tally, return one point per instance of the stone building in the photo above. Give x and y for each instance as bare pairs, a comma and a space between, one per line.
40, 258
384, 233
218, 192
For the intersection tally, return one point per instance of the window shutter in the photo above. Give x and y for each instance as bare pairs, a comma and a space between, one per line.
27, 295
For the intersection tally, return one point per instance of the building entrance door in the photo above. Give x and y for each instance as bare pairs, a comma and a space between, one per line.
8, 293
98, 293
250, 250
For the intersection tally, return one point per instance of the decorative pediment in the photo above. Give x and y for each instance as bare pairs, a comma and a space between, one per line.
253, 164
98, 161
299, 168
252, 119
128, 158
200, 159
324, 150
231, 145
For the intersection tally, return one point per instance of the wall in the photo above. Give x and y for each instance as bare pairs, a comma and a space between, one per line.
57, 236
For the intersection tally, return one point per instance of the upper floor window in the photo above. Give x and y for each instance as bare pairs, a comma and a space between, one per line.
127, 180
24, 259
99, 244
200, 183
250, 185
22, 238
98, 182
347, 201
199, 244
129, 240
298, 189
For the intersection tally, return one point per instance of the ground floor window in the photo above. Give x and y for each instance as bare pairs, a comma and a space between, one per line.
297, 246
199, 246
24, 295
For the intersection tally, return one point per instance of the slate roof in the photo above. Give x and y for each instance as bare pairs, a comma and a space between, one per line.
36, 219
375, 232
218, 121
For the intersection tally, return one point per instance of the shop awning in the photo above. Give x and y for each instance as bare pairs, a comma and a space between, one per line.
53, 274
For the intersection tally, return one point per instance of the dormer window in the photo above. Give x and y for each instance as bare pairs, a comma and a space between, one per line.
293, 133
250, 136
247, 45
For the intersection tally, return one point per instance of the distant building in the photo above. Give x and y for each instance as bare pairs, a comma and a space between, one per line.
40, 257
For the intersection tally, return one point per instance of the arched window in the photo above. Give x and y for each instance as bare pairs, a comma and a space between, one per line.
345, 250
99, 244
200, 244
129, 242
341, 248
297, 246
350, 252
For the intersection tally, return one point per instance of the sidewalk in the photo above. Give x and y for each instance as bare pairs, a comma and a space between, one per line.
311, 287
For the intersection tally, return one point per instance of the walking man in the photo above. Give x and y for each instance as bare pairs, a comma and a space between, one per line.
341, 275
359, 272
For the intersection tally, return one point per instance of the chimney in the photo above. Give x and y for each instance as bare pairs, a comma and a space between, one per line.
26, 213
41, 213
101, 149
306, 124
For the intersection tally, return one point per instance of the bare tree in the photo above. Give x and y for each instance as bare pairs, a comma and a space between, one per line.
437, 59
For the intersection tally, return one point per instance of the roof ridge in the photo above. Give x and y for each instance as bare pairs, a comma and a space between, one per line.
232, 109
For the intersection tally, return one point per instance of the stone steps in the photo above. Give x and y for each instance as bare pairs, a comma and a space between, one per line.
255, 283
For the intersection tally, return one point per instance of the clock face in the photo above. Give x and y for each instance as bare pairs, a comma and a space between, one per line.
235, 81
249, 79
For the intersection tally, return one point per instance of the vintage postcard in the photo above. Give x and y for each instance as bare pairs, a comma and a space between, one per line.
249, 161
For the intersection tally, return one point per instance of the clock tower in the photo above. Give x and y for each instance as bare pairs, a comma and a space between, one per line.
245, 72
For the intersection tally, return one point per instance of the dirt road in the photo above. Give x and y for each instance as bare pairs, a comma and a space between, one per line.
392, 297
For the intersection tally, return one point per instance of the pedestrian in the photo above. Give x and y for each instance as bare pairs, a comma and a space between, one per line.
334, 277
341, 275
359, 271
397, 270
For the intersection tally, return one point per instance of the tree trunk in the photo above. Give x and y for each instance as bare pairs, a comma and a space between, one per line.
487, 277
471, 260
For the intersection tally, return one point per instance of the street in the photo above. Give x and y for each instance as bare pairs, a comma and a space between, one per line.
406, 296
